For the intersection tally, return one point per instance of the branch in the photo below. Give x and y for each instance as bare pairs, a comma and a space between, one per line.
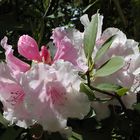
113, 95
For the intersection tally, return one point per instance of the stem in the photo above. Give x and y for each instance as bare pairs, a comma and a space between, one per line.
102, 91
88, 78
113, 95
121, 103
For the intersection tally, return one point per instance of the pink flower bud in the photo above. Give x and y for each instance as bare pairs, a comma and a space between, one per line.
28, 48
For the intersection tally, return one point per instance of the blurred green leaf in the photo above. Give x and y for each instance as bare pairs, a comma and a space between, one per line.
113, 65
11, 134
75, 136
104, 48
3, 120
137, 107
89, 6
46, 4
90, 36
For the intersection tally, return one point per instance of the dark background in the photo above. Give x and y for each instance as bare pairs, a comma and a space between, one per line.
38, 17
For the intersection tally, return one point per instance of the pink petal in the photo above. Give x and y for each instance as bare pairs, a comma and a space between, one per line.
56, 93
4, 43
45, 54
14, 63
58, 35
28, 48
66, 51
11, 93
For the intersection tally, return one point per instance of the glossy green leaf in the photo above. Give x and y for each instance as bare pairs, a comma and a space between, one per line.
84, 88
113, 65
104, 48
90, 36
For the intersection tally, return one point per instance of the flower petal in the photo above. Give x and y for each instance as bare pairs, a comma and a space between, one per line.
45, 54
69, 47
13, 62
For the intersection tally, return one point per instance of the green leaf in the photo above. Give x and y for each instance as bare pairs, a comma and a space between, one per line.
84, 88
113, 65
122, 91
108, 87
104, 48
112, 87
90, 36
75, 136
3, 120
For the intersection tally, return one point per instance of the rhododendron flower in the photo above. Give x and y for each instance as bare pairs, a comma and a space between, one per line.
69, 43
57, 94
12, 95
45, 94
69, 46
66, 42
124, 77
50, 91
121, 46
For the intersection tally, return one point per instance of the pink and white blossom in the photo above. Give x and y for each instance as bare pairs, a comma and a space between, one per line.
69, 46
121, 46
54, 92
45, 94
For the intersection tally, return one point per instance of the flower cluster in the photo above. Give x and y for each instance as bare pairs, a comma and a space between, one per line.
90, 70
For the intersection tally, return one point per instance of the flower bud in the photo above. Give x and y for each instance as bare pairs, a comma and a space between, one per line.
28, 48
